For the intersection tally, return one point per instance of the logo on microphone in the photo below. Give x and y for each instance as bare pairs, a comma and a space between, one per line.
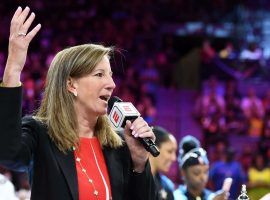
127, 108
115, 117
120, 112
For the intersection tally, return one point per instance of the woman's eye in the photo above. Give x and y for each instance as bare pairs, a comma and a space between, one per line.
99, 74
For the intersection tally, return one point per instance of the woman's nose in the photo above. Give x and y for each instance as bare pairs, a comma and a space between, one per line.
111, 83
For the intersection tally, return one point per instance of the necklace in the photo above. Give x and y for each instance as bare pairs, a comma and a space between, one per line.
90, 180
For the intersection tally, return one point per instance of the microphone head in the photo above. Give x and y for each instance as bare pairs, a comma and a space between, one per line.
112, 100
120, 112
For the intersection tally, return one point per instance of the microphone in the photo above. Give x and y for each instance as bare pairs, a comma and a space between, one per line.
120, 112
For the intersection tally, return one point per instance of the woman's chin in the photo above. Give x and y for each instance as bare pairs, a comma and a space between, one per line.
102, 112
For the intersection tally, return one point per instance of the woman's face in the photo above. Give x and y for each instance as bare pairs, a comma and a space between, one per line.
167, 155
196, 176
94, 90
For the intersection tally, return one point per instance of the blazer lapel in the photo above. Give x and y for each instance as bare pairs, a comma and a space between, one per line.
115, 170
68, 167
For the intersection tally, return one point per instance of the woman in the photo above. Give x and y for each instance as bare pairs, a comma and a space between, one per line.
167, 145
68, 145
194, 166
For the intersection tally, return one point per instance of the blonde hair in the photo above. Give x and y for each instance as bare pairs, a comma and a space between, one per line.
57, 106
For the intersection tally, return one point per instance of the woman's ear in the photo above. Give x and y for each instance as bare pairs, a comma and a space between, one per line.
72, 86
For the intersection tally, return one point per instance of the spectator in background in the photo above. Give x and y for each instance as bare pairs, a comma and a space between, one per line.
227, 166
149, 77
228, 52
29, 96
216, 152
251, 57
264, 142
210, 109
167, 145
252, 105
253, 52
253, 111
127, 94
164, 68
194, 166
208, 54
266, 102
147, 108
258, 178
235, 121
246, 157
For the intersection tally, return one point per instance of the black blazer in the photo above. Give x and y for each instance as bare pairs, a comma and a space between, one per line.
25, 145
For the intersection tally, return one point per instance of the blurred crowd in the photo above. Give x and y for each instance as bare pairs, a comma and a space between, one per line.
146, 60
223, 114
222, 110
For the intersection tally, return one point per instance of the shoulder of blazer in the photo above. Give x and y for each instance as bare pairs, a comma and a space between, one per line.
29, 122
37, 129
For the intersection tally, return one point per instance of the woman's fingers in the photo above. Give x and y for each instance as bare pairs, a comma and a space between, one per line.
14, 21
21, 18
33, 32
137, 125
24, 28
146, 134
140, 131
20, 24
140, 128
19, 38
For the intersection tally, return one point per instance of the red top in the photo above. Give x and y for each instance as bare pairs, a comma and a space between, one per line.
88, 162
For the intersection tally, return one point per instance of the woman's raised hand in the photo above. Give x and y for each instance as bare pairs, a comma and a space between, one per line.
19, 40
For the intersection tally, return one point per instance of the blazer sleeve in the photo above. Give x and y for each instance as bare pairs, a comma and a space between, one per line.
17, 138
142, 185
